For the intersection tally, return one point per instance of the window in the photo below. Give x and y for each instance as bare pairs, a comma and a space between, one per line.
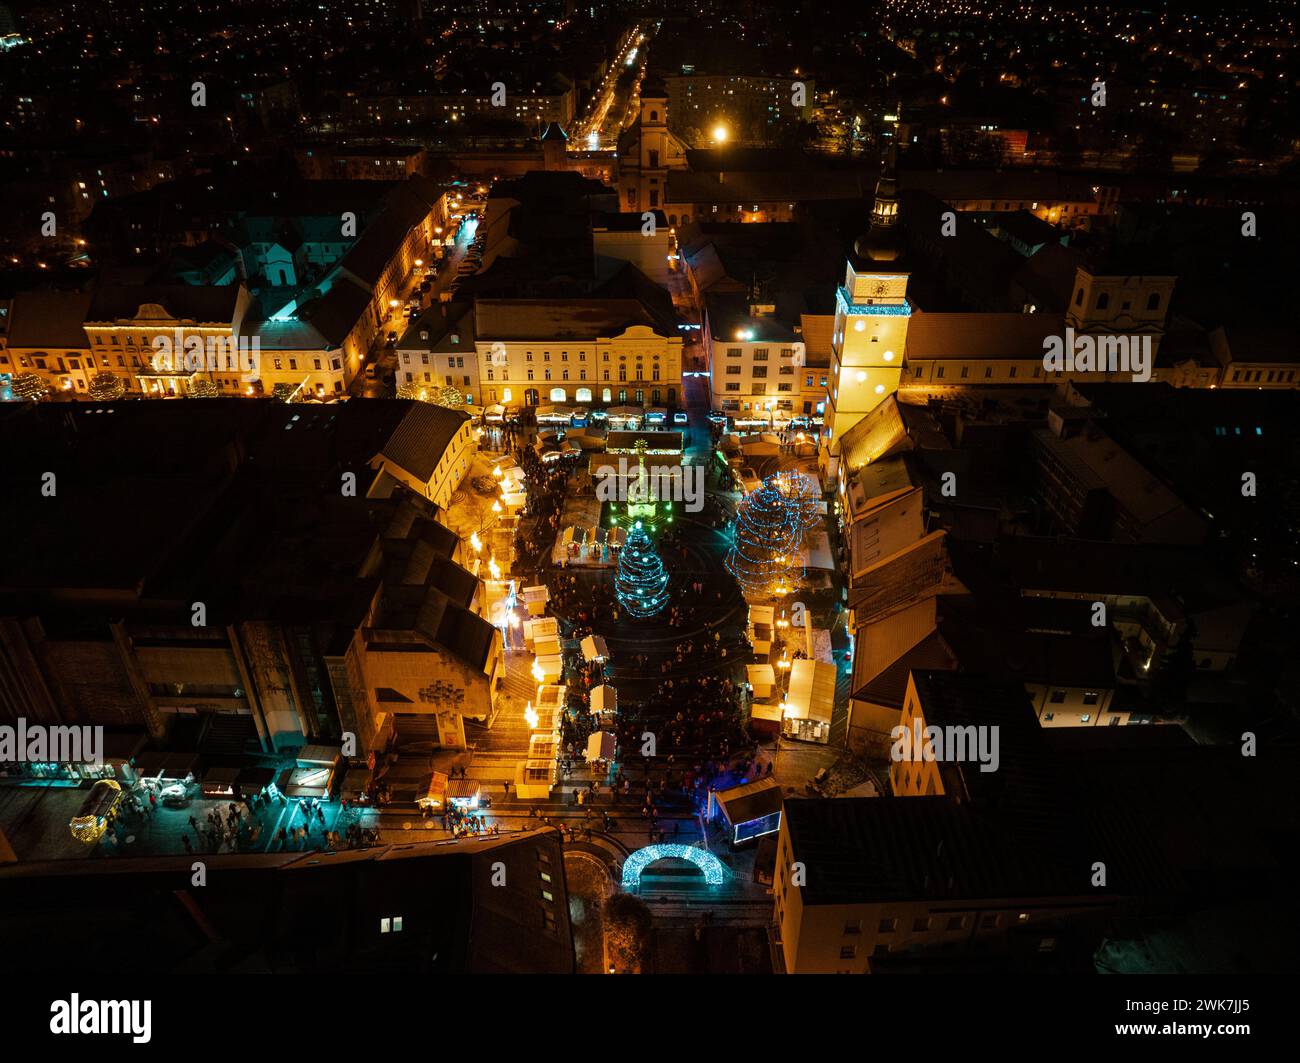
760, 354
848, 952
733, 352
888, 926
390, 924
920, 926
1058, 697
956, 922
1091, 697
1153, 301
1103, 301
854, 927
939, 373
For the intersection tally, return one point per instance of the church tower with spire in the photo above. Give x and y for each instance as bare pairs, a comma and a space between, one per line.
871, 317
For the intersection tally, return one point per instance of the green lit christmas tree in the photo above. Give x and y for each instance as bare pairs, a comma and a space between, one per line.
641, 585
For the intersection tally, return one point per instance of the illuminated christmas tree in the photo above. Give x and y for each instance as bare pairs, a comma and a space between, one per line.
28, 386
105, 387
801, 496
765, 540
641, 585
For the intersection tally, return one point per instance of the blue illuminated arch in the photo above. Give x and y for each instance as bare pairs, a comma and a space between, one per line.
715, 872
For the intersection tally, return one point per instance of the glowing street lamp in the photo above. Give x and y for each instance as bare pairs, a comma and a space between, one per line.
475, 542
530, 715
538, 674
494, 568
720, 134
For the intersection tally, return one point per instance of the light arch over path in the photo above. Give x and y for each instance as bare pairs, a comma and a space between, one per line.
715, 872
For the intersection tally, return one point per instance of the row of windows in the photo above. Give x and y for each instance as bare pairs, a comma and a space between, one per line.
582, 374
1275, 376
759, 389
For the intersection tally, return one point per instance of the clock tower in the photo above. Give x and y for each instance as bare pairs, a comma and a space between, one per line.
871, 318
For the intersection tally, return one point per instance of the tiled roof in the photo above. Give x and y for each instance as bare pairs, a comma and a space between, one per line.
422, 437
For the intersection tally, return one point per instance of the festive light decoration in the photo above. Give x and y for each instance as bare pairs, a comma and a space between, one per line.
203, 389
641, 585
766, 536
715, 872
800, 494
106, 387
28, 386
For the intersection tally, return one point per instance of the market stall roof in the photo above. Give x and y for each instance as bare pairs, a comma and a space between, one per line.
600, 746
308, 755
356, 782
765, 711
551, 696
574, 535
812, 690
624, 411
312, 781
604, 698
154, 763
552, 665
539, 593
762, 677
541, 628
221, 775
546, 647
255, 778
462, 788
750, 801
594, 648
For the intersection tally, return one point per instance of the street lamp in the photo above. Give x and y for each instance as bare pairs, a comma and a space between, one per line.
720, 134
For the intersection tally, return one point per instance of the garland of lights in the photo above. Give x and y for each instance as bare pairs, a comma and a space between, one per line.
641, 585
765, 537
715, 871
800, 494
106, 387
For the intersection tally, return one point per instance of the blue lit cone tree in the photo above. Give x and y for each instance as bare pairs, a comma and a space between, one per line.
641, 584
766, 538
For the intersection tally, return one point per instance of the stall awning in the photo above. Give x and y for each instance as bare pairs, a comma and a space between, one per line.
600, 746
604, 698
546, 647
594, 649
812, 691
552, 666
